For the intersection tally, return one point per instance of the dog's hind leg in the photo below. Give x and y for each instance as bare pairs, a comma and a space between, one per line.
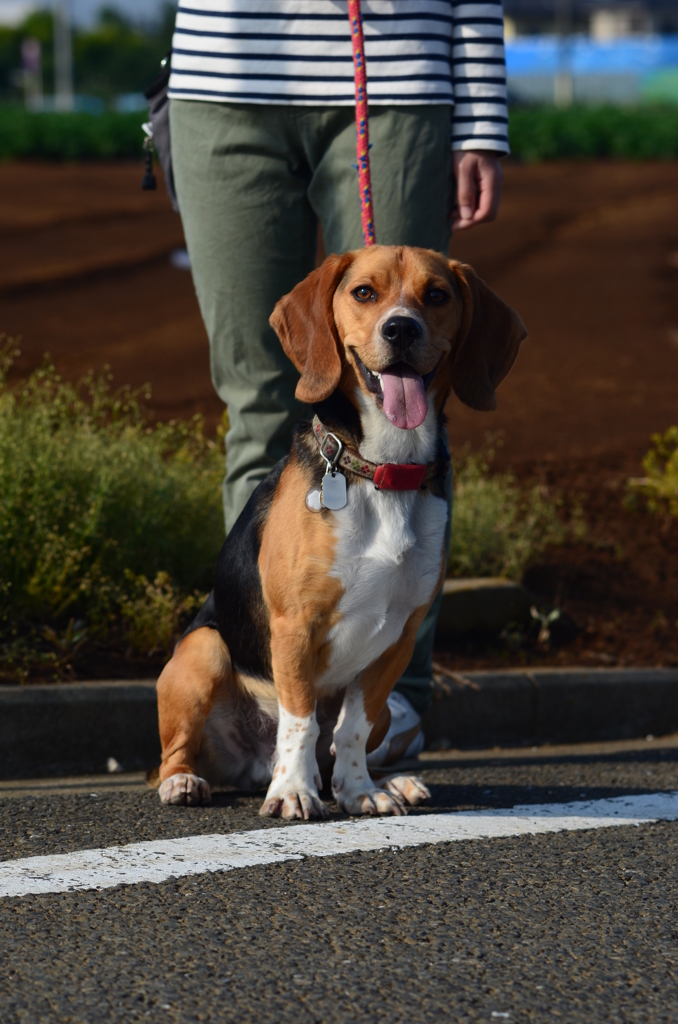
187, 687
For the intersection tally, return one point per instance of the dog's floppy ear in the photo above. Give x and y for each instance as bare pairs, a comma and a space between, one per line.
489, 338
304, 322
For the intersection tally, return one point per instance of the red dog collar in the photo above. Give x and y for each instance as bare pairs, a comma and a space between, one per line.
387, 476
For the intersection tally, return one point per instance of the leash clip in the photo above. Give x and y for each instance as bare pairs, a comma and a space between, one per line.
329, 458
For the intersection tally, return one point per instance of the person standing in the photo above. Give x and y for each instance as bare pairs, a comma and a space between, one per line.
263, 150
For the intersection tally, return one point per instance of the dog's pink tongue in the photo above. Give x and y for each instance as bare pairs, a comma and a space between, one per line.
405, 401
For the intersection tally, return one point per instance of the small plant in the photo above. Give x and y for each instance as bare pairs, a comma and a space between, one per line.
659, 486
545, 620
95, 502
499, 528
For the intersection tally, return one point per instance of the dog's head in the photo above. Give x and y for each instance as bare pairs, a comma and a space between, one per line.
398, 323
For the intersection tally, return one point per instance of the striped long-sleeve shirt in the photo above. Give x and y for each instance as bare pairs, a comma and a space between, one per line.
299, 52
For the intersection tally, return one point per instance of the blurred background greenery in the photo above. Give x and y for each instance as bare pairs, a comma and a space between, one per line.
587, 78
537, 133
115, 57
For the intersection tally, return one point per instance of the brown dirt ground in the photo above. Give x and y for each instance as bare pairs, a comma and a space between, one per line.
587, 252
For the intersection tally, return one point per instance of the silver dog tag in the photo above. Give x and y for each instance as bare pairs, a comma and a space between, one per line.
313, 502
333, 492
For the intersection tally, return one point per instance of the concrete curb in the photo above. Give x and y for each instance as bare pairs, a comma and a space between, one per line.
477, 709
486, 604
73, 728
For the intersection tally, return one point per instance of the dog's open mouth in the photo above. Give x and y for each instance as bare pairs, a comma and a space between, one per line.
401, 391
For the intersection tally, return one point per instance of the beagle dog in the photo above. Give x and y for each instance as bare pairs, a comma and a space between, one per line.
320, 588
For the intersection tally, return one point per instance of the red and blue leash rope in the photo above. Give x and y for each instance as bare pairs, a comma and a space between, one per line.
361, 123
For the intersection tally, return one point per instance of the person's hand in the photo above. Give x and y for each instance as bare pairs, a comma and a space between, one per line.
479, 178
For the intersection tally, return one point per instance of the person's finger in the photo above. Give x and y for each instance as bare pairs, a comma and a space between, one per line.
489, 193
466, 188
459, 224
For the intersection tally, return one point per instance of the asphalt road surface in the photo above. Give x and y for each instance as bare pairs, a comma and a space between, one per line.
570, 926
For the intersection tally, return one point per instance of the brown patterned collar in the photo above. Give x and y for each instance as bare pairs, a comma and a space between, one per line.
387, 476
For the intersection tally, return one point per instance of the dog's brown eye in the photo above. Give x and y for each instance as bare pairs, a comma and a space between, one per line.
437, 296
364, 293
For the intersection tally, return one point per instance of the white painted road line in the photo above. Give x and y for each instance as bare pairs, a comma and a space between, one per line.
174, 858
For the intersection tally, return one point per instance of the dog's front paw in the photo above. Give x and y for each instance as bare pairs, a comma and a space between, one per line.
367, 799
184, 789
300, 803
409, 788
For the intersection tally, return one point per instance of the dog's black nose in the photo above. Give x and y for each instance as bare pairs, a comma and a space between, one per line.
401, 330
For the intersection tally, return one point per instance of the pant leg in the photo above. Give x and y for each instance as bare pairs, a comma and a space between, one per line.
411, 169
251, 235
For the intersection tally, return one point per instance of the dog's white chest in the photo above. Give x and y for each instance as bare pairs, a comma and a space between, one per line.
388, 558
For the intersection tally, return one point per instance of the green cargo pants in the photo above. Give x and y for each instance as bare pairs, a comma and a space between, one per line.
253, 181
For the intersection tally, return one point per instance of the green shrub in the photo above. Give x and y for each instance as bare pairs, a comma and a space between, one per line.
643, 132
74, 136
660, 486
499, 528
95, 501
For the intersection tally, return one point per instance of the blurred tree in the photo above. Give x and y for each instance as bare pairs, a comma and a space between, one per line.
118, 57
114, 57
39, 26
